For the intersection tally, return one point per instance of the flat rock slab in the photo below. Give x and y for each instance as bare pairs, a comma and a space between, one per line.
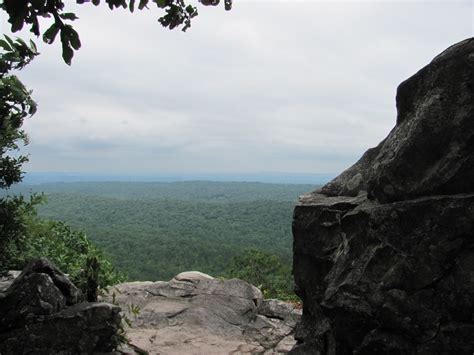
197, 314
185, 340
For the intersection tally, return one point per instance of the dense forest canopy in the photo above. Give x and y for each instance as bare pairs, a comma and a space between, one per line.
153, 231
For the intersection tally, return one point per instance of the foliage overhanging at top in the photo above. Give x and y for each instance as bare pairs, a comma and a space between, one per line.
23, 13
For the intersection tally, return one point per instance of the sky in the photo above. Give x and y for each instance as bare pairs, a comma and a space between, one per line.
271, 86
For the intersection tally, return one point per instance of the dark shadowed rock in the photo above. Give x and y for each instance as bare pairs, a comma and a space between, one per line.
430, 151
41, 313
195, 313
44, 267
393, 273
84, 328
353, 180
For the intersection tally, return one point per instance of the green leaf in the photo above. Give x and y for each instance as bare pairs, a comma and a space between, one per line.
50, 35
160, 3
69, 16
35, 26
33, 47
132, 5
190, 9
68, 52
142, 4
12, 43
22, 42
19, 17
38, 4
33, 108
4, 44
74, 39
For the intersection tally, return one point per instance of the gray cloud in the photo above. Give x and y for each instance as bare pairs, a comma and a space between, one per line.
269, 86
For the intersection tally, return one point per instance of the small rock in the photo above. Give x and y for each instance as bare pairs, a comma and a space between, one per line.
192, 276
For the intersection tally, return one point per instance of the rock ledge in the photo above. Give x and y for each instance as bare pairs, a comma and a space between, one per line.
195, 313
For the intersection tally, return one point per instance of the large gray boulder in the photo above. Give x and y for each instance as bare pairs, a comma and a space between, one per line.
384, 254
42, 312
195, 313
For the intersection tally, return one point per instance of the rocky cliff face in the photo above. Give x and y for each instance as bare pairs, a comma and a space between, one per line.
384, 253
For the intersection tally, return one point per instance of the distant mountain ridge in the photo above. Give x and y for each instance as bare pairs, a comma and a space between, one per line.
204, 191
34, 178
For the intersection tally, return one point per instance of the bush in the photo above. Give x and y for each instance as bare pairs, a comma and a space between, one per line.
15, 212
70, 250
265, 271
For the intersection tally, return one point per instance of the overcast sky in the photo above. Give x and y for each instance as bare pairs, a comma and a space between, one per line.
274, 86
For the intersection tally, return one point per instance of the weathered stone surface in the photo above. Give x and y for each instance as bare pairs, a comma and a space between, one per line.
83, 328
275, 309
7, 280
353, 180
192, 276
394, 272
430, 151
41, 313
197, 314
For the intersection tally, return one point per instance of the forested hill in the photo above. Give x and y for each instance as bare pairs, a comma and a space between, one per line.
152, 231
